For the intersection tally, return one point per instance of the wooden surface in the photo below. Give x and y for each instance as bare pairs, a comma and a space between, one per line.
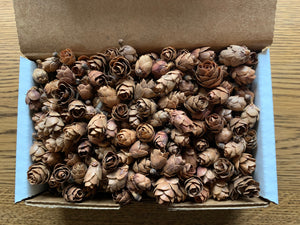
285, 59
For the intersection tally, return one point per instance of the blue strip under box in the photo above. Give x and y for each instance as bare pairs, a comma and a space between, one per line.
265, 172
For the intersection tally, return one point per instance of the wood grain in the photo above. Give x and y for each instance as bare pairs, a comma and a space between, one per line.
285, 60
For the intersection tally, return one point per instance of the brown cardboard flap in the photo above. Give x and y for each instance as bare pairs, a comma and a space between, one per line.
105, 203
91, 26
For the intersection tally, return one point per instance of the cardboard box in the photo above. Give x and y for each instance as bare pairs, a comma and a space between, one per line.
91, 26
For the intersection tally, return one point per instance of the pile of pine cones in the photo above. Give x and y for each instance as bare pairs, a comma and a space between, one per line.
170, 126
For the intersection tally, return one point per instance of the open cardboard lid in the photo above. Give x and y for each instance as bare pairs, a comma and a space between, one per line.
92, 26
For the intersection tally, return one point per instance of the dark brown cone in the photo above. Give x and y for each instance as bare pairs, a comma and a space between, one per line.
38, 173
168, 54
85, 91
253, 59
214, 123
208, 157
93, 174
77, 109
233, 149
67, 57
143, 66
245, 164
73, 193
199, 128
145, 107
223, 168
37, 150
188, 86
98, 62
193, 186
73, 132
144, 89
158, 159
172, 100
64, 74
244, 186
169, 190
180, 138
201, 145
219, 95
134, 117
52, 158
187, 171
209, 74
139, 149
111, 129
203, 195
159, 118
239, 126
97, 78
120, 112
173, 166
117, 179
81, 67
204, 54
234, 55
33, 99
186, 61
125, 90
71, 159
78, 172
50, 64
168, 82
119, 67
160, 68
126, 137
110, 161
108, 96
137, 182
181, 121
224, 136
236, 103
61, 173
207, 175
161, 139
84, 148
111, 53
250, 114
142, 166
243, 75
190, 156
55, 143
220, 190
145, 132
96, 128
251, 143
66, 93
173, 148
196, 104
122, 197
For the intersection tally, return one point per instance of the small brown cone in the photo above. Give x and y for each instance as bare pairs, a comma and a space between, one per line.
220, 190
193, 186
168, 190
73, 193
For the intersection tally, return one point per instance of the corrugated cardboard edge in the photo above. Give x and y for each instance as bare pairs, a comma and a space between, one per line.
92, 26
48, 201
